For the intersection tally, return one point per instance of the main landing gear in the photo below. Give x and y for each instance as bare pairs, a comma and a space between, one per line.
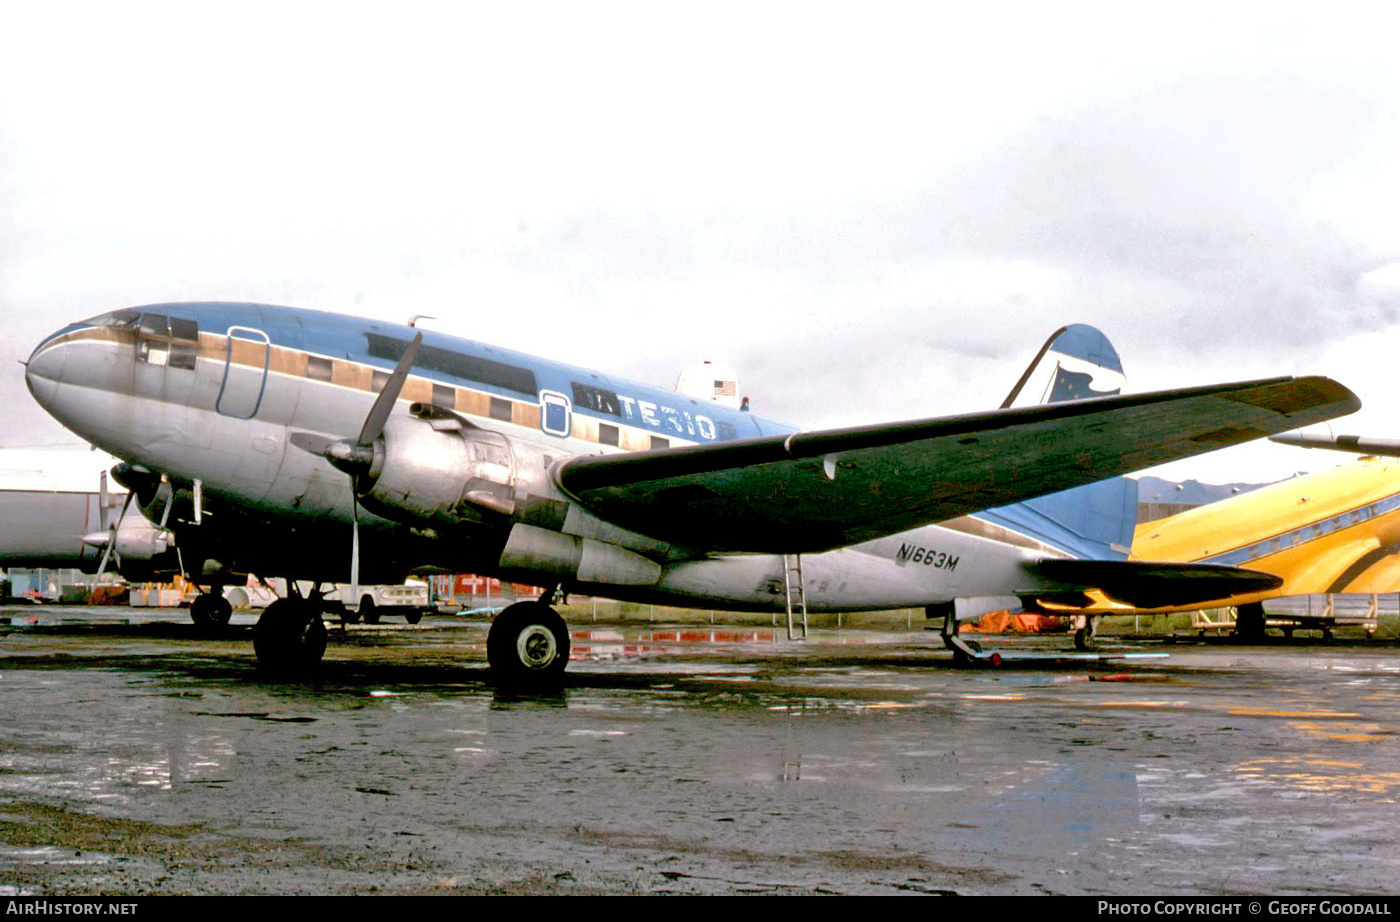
290, 636
528, 646
1250, 622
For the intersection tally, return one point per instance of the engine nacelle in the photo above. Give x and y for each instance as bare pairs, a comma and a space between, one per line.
138, 539
440, 469
139, 550
435, 468
531, 552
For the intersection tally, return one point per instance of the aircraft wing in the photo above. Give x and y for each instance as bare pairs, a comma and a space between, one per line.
816, 491
1147, 585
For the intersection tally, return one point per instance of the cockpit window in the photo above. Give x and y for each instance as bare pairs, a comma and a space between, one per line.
184, 330
155, 325
124, 319
170, 341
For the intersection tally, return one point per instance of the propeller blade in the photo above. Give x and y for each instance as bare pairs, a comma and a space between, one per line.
354, 551
169, 501
102, 500
356, 457
384, 403
112, 541
311, 442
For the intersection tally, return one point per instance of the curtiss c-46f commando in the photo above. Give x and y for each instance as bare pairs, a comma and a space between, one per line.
323, 447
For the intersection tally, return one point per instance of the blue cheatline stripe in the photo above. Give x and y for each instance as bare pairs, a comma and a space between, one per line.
1306, 533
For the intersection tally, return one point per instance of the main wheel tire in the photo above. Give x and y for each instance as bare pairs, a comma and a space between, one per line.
1083, 640
290, 637
413, 616
1249, 621
210, 610
369, 611
528, 646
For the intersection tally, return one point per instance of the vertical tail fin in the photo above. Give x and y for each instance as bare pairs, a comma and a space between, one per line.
1077, 361
1095, 521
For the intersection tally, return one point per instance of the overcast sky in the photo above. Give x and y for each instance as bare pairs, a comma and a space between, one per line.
874, 211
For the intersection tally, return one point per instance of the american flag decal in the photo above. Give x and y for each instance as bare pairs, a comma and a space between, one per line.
724, 388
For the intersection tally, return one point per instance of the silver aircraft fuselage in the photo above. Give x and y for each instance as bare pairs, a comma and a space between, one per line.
211, 394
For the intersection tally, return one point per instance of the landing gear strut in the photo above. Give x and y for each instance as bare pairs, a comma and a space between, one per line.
290, 636
1249, 621
965, 652
528, 646
1084, 636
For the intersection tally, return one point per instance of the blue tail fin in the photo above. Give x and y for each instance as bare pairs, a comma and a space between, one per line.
1094, 521
1077, 361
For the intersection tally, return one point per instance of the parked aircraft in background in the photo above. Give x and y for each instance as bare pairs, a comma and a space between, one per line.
1333, 531
57, 512
556, 475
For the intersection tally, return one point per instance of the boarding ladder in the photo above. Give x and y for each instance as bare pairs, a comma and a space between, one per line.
794, 591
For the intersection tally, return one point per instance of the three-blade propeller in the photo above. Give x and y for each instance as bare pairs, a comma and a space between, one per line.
356, 456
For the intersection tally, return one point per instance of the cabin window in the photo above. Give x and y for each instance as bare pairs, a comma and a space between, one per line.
608, 434
318, 368
501, 409
168, 341
378, 380
457, 364
658, 442
444, 396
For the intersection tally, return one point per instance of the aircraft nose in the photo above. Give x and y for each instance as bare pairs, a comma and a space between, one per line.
44, 371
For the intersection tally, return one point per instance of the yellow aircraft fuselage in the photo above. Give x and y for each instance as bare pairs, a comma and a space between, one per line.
1333, 531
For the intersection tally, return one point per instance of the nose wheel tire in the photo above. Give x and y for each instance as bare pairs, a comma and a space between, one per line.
290, 637
210, 610
528, 646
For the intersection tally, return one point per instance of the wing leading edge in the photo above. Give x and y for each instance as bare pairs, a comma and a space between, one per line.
817, 491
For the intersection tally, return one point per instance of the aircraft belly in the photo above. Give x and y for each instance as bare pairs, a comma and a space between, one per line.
889, 573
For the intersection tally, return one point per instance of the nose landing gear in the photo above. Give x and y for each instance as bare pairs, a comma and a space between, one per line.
210, 610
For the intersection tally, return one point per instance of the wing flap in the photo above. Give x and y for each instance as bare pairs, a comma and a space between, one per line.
815, 491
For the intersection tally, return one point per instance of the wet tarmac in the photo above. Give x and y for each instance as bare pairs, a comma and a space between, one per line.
137, 757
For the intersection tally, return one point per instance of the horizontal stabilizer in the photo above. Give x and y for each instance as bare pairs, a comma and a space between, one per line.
1148, 585
816, 491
